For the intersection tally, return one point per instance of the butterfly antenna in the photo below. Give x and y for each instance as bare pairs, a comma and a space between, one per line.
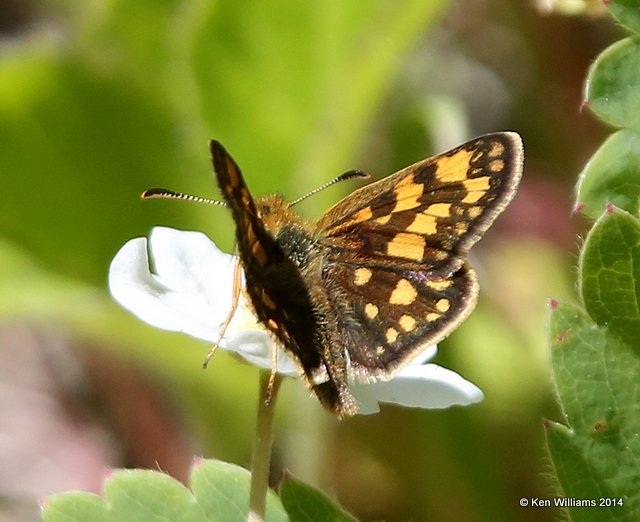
161, 193
350, 174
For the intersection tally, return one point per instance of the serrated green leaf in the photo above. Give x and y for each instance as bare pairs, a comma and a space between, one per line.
222, 490
306, 504
220, 493
147, 496
613, 84
610, 274
596, 377
76, 506
612, 176
626, 12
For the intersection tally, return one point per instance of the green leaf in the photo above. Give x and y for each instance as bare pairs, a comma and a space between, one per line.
306, 504
574, 473
626, 12
610, 274
222, 490
145, 496
220, 493
612, 176
76, 506
596, 377
613, 84
131, 495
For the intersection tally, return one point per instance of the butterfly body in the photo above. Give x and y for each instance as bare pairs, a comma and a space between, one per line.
282, 261
383, 274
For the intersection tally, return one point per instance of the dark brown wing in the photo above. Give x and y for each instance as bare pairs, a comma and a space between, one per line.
396, 315
398, 249
279, 292
273, 282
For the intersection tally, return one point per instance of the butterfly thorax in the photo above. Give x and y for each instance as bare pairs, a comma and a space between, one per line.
280, 260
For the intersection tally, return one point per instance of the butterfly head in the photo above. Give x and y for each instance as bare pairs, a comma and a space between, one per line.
275, 213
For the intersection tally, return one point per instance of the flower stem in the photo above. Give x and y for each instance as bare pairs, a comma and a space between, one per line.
261, 461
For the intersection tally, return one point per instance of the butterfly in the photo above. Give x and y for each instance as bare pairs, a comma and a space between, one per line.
381, 275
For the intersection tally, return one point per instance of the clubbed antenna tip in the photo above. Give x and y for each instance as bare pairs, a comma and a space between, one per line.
350, 174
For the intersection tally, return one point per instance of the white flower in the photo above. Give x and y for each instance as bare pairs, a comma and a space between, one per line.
180, 281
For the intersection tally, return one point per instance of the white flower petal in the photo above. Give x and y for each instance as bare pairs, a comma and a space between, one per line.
256, 347
190, 262
190, 293
192, 290
424, 386
428, 354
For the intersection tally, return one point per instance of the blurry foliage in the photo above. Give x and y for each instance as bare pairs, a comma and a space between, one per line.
100, 100
595, 353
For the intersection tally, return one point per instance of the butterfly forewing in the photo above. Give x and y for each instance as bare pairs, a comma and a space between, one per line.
274, 250
432, 212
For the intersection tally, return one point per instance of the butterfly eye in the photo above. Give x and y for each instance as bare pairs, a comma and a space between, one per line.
265, 210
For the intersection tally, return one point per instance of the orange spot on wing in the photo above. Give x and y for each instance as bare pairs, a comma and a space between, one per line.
450, 169
408, 246
403, 294
439, 209
407, 194
423, 224
362, 276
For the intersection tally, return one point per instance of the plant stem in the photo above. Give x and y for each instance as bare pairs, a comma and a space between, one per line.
261, 461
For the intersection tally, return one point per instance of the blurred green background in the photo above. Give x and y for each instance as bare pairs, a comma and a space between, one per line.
100, 100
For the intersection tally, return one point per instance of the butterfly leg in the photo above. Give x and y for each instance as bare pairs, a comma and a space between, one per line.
235, 299
274, 373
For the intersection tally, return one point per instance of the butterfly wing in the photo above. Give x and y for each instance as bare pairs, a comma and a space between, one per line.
398, 249
273, 282
279, 291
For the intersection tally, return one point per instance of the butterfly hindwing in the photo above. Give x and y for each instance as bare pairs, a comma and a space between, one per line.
392, 317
